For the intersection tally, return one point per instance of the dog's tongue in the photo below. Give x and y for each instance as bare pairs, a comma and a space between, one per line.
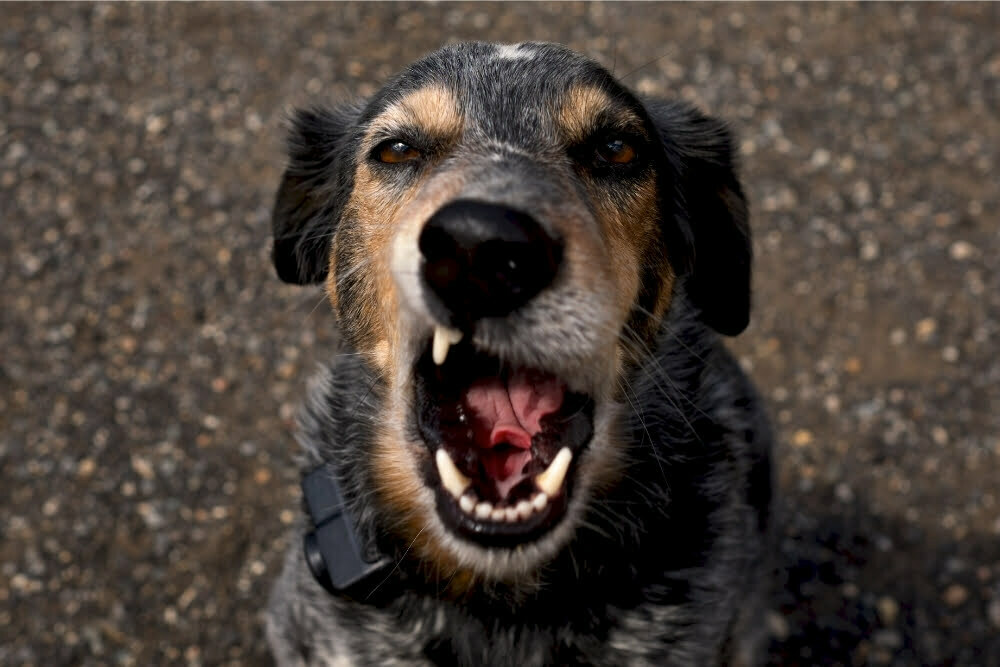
510, 414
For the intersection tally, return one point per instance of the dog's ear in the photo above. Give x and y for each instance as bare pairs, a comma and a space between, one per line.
711, 239
311, 194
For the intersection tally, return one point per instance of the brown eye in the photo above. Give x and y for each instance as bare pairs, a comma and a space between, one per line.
394, 152
616, 151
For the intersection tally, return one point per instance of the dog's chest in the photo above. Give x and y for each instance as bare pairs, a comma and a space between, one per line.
434, 634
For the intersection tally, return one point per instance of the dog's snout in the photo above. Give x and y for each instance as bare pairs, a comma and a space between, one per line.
486, 260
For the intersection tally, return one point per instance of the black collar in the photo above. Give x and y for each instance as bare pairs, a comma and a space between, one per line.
342, 561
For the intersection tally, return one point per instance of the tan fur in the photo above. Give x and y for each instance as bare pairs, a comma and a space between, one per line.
373, 212
432, 108
627, 230
370, 211
380, 214
399, 488
582, 105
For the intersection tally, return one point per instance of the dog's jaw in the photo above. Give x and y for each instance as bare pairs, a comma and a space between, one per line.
441, 548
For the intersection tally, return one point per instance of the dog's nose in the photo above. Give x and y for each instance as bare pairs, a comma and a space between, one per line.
485, 260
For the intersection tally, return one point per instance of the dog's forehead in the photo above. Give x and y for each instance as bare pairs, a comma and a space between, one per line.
513, 92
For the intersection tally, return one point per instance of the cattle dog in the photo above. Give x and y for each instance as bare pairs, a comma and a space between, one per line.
531, 447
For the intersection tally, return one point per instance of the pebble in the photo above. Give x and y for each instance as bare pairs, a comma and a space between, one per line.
993, 612
955, 595
961, 250
777, 625
869, 250
86, 467
820, 158
888, 639
888, 610
844, 492
143, 467
802, 437
925, 329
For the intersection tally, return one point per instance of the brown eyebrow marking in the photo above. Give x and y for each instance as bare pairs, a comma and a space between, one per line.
432, 109
583, 105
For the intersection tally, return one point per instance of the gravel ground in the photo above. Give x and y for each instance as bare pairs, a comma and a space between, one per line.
152, 362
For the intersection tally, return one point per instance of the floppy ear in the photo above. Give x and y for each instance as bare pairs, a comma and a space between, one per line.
712, 237
311, 195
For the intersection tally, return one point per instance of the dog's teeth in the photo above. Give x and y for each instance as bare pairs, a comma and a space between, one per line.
454, 482
539, 501
510, 514
483, 510
498, 514
443, 339
467, 503
523, 509
551, 480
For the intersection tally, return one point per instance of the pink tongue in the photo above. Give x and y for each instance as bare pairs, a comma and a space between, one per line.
511, 415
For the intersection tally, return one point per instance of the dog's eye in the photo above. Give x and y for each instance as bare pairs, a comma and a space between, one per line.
394, 152
615, 151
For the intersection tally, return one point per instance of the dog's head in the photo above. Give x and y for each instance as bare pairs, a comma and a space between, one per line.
501, 231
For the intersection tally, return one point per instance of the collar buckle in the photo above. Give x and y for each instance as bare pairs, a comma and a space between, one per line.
336, 554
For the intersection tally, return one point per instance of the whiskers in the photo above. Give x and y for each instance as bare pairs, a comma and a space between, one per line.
398, 562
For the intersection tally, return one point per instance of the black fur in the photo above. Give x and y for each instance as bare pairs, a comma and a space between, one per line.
675, 550
313, 190
667, 567
711, 212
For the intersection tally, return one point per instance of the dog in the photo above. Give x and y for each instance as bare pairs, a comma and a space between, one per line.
532, 447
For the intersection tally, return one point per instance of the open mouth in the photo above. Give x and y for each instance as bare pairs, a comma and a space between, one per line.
504, 440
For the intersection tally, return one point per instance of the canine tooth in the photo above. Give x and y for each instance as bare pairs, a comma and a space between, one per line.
523, 509
498, 514
467, 503
551, 480
483, 510
455, 482
510, 514
443, 339
539, 502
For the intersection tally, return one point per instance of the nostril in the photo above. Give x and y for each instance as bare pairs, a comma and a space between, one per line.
509, 268
445, 263
442, 272
435, 242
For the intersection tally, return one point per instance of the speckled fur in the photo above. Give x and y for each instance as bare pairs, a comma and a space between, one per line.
663, 567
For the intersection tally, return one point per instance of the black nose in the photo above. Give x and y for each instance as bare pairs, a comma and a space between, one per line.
484, 260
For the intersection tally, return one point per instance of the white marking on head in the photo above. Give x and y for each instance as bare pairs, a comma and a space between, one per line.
502, 150
514, 52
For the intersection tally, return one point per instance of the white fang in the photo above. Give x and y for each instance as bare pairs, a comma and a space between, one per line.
453, 481
443, 339
551, 480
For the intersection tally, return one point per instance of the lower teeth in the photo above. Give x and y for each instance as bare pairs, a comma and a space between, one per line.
467, 503
549, 483
485, 511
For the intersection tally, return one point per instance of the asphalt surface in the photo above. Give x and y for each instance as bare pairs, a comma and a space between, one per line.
151, 361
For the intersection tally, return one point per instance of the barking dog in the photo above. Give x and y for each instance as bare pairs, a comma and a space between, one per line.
533, 448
